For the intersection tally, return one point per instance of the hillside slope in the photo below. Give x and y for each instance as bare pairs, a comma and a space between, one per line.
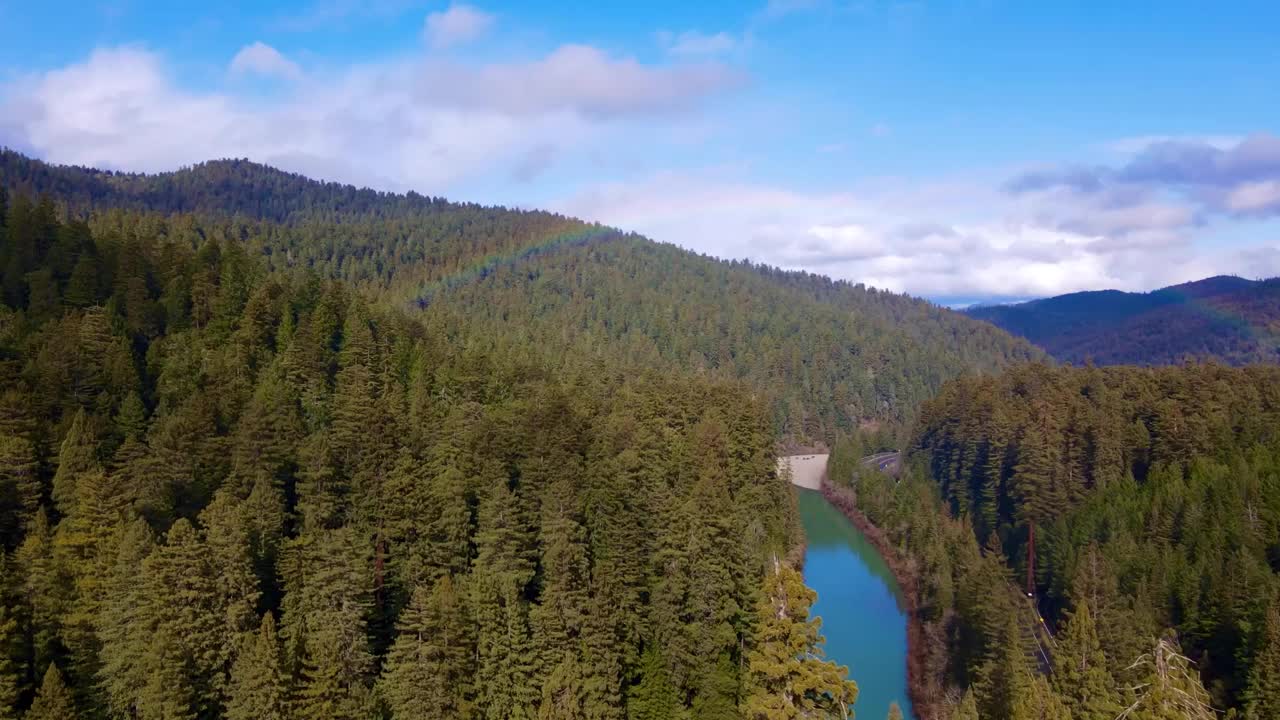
827, 354
1149, 497
1229, 319
233, 492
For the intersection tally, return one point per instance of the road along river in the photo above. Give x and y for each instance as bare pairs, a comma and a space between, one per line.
864, 616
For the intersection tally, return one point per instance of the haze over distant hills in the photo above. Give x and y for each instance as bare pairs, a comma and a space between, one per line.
1224, 318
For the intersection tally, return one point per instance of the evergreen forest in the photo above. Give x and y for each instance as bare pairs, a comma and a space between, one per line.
229, 490
1139, 508
276, 448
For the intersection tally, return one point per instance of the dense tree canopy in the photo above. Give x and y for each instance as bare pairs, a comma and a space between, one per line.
826, 354
233, 490
1154, 498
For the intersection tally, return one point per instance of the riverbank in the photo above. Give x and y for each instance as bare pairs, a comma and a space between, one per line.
925, 649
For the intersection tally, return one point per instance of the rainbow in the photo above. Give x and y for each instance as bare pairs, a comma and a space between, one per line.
484, 266
1216, 314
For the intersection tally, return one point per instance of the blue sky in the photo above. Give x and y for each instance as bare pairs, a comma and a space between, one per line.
957, 150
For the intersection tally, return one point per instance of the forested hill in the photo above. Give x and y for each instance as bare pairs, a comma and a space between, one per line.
1229, 319
228, 491
221, 186
1153, 498
826, 355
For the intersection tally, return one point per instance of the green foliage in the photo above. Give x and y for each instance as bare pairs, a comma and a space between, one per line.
428, 671
828, 355
655, 696
788, 677
442, 528
258, 689
1155, 500
1080, 673
53, 700
1262, 697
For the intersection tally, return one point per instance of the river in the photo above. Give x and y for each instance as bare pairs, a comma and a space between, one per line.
862, 609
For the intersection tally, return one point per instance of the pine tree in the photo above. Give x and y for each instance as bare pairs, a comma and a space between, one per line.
182, 597
503, 569
257, 690
453, 527
9, 641
270, 428
1039, 702
428, 672
53, 700
124, 622
788, 677
717, 693
131, 418
561, 613
1080, 673
167, 693
82, 287
1003, 680
327, 577
78, 455
19, 483
228, 544
327, 690
655, 697
1262, 696
45, 590
92, 344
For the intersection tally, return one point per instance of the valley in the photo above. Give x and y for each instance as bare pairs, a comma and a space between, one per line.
268, 438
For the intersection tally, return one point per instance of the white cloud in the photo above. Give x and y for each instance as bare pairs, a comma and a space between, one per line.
434, 124
262, 59
923, 238
1254, 197
577, 78
458, 25
692, 43
426, 125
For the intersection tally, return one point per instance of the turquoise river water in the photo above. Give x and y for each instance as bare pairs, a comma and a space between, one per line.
863, 612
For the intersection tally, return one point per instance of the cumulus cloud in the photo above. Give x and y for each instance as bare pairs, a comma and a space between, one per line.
434, 123
262, 59
1236, 178
919, 238
458, 25
413, 124
692, 43
1254, 197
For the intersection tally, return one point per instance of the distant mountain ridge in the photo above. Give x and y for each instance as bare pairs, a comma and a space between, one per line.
1225, 318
